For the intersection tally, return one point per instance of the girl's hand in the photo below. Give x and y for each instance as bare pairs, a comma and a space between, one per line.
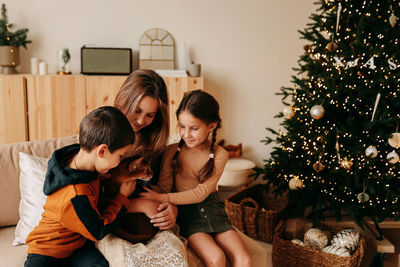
153, 195
127, 188
166, 217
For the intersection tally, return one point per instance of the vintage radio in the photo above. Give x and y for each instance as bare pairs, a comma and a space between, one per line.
104, 60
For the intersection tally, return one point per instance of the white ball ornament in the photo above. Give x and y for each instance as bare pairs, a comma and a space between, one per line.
317, 112
347, 238
288, 112
392, 157
371, 151
295, 183
334, 249
315, 238
394, 140
298, 242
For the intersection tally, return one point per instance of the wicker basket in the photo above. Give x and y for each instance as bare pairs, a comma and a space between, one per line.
285, 253
244, 212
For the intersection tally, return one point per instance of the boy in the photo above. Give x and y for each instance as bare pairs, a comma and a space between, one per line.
70, 214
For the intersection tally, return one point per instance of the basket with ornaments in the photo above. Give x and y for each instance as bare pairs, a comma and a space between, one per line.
327, 245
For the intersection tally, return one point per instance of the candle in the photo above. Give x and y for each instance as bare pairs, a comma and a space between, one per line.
34, 65
42, 68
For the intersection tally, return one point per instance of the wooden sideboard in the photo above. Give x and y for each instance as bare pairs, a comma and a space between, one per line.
36, 107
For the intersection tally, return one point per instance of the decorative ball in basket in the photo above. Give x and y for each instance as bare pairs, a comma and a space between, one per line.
325, 246
247, 213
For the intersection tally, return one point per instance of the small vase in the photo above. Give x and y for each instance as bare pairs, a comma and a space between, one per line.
9, 59
195, 70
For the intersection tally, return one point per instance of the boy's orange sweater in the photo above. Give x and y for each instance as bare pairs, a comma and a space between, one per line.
70, 214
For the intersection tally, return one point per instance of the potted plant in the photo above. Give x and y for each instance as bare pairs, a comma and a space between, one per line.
9, 43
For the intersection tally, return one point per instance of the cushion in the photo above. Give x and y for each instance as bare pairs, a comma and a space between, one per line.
9, 175
31, 178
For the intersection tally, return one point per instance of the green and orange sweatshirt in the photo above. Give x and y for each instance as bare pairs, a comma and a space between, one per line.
70, 214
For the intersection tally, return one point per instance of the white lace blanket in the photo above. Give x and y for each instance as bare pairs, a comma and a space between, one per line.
165, 249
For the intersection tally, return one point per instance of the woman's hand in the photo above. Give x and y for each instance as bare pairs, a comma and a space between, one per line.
153, 195
166, 217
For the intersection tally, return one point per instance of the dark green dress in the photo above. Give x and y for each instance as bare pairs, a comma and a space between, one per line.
208, 217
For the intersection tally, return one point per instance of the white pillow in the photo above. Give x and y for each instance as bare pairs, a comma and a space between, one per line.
31, 178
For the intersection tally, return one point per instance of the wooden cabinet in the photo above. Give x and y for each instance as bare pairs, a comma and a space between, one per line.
101, 90
46, 106
13, 121
176, 88
56, 105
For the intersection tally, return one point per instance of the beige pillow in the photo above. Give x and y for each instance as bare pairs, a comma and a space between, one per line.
10, 195
31, 178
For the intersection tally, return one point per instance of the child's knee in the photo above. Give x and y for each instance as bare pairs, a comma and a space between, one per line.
146, 206
217, 259
244, 260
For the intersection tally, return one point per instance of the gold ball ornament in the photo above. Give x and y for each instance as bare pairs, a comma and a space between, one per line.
363, 197
295, 183
394, 140
308, 48
318, 166
288, 112
345, 163
392, 157
392, 20
371, 152
317, 112
331, 46
315, 238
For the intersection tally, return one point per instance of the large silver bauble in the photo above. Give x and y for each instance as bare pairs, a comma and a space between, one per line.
392, 157
317, 112
295, 183
394, 140
371, 152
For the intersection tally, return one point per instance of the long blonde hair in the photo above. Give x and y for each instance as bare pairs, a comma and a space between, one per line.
153, 138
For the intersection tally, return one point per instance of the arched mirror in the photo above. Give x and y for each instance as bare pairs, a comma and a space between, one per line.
157, 50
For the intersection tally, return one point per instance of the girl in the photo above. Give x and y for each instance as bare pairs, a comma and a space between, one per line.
193, 167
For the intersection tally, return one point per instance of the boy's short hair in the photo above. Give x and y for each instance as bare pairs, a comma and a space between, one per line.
105, 125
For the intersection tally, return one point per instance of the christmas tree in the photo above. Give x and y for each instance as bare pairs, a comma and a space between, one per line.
338, 150
9, 38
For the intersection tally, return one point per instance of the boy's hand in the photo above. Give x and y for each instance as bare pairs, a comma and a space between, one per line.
127, 188
153, 195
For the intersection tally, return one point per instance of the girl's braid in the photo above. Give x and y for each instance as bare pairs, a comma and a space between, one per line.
175, 165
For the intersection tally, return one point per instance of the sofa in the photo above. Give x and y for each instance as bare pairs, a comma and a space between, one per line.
10, 194
16, 183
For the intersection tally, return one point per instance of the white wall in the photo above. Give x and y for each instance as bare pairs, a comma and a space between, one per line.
247, 48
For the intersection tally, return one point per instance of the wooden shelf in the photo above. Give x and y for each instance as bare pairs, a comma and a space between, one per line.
36, 107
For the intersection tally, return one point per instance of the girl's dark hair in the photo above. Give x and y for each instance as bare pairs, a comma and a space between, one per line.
203, 106
140, 83
105, 125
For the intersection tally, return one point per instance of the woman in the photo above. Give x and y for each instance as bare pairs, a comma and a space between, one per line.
144, 101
